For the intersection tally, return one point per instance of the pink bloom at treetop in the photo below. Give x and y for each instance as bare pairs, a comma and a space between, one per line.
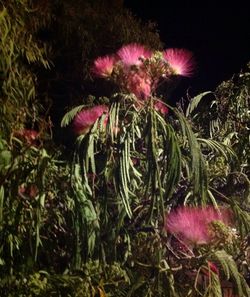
103, 66
133, 54
137, 70
191, 224
180, 60
86, 118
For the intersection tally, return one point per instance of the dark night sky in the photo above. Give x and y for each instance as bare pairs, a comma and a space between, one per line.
219, 36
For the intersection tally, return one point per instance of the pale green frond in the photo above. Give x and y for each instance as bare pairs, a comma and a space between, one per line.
213, 288
68, 117
243, 218
199, 177
218, 148
195, 102
230, 269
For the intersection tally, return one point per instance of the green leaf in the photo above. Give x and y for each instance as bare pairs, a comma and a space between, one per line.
68, 117
5, 159
199, 177
231, 271
1, 205
195, 102
219, 148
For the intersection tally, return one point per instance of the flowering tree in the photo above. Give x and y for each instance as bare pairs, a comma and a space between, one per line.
153, 202
137, 160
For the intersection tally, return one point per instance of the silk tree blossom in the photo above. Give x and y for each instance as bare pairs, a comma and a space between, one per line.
28, 135
86, 118
139, 84
191, 224
180, 60
103, 66
133, 54
161, 107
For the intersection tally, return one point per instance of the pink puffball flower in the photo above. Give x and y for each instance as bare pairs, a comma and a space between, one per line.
191, 224
132, 54
161, 107
28, 135
180, 60
103, 66
139, 84
86, 118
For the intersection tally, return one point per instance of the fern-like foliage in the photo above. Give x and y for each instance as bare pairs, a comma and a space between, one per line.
68, 117
230, 270
19, 50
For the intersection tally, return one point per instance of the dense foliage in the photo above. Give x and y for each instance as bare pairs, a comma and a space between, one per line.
94, 219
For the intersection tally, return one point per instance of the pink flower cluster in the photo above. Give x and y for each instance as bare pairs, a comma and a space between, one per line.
191, 224
138, 70
86, 118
